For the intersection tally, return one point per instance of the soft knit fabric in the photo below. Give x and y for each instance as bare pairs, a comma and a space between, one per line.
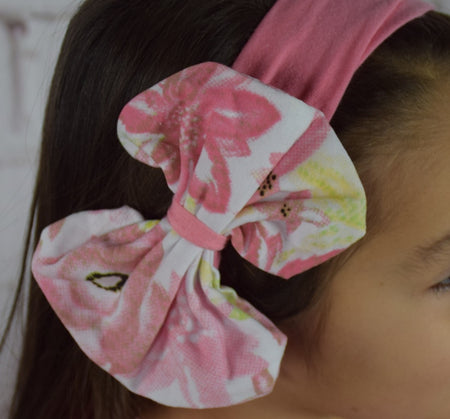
311, 48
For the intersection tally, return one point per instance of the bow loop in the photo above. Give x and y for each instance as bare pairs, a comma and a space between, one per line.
204, 126
310, 207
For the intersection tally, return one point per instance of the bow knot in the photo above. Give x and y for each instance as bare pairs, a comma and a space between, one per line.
192, 229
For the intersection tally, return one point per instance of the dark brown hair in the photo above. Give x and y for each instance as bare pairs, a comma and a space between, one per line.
114, 49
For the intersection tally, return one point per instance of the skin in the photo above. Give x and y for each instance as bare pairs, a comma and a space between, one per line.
385, 349
386, 345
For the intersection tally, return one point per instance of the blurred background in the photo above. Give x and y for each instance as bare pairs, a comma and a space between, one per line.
31, 32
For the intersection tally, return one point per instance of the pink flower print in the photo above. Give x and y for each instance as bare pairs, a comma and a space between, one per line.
165, 116
232, 117
228, 306
292, 212
254, 242
55, 228
122, 323
161, 120
230, 120
268, 187
126, 343
296, 266
123, 235
263, 382
195, 348
309, 142
186, 84
193, 113
268, 236
287, 211
130, 330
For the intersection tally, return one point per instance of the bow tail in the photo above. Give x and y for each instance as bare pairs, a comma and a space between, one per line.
215, 349
103, 285
166, 331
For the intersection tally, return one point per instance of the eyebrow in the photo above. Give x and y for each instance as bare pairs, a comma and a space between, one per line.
430, 253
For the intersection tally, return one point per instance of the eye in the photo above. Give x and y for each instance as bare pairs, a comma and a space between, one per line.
442, 286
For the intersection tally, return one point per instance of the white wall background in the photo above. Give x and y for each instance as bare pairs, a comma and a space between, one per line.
30, 35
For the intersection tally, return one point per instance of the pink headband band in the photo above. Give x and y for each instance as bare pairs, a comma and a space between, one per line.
311, 48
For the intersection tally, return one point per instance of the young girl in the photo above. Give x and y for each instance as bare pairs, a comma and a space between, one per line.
367, 323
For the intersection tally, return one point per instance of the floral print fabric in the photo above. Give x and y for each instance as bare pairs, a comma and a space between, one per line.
252, 164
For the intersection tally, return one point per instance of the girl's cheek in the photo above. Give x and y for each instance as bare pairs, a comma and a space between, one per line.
381, 344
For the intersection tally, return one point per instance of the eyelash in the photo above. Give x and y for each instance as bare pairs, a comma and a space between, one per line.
443, 286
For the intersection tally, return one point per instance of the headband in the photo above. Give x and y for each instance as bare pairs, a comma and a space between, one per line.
311, 48
247, 163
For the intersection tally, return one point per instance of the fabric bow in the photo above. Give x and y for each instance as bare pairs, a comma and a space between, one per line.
142, 298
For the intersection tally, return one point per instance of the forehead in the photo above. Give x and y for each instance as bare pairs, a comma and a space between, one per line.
420, 190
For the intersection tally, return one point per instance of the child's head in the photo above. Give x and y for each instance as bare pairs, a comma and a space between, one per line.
356, 322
